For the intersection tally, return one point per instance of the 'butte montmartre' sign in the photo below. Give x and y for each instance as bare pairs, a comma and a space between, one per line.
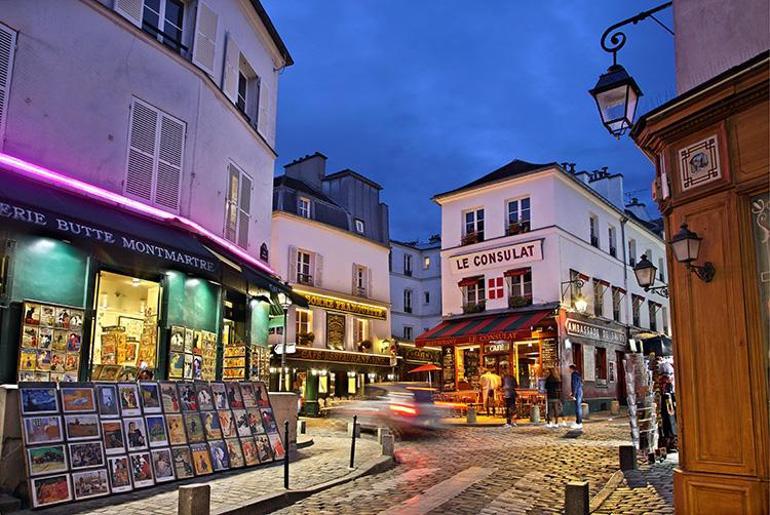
346, 306
508, 255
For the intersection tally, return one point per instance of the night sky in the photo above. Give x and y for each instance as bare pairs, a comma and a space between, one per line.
423, 96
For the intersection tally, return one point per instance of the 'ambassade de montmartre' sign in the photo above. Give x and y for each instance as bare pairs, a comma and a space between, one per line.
595, 332
509, 255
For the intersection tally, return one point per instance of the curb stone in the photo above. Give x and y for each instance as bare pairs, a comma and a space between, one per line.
274, 502
612, 484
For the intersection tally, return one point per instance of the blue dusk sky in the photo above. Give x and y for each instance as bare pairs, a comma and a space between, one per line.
423, 96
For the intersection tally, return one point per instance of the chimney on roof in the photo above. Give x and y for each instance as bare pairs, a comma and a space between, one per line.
609, 186
638, 209
310, 169
435, 238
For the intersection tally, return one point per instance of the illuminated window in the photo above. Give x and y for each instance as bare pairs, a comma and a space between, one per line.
304, 323
426, 262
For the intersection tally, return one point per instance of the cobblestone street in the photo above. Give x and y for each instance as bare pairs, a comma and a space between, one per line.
498, 470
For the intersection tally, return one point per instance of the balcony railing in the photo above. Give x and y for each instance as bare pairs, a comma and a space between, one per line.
473, 237
359, 291
167, 39
517, 228
475, 307
305, 279
518, 301
613, 252
408, 271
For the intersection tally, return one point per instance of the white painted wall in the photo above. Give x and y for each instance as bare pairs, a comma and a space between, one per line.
424, 315
560, 210
339, 250
77, 67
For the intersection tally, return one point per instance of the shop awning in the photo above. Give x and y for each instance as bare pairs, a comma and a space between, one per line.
507, 326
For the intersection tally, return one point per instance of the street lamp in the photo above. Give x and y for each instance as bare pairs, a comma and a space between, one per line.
686, 246
285, 301
580, 302
646, 273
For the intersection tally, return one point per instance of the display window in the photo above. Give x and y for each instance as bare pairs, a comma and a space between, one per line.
528, 364
260, 363
126, 326
50, 342
234, 337
192, 354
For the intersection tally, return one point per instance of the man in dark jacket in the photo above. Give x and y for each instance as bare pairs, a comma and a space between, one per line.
577, 394
509, 394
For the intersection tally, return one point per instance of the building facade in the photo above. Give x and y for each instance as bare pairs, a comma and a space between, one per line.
537, 273
330, 241
136, 165
710, 148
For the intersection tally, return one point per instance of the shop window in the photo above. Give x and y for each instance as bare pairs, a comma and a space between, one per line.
304, 275
126, 326
594, 230
408, 333
528, 364
601, 364
495, 288
518, 216
303, 207
304, 326
473, 228
238, 206
407, 264
51, 337
234, 337
474, 297
407, 301
598, 298
519, 287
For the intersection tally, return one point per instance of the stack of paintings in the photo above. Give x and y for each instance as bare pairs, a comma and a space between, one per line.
49, 349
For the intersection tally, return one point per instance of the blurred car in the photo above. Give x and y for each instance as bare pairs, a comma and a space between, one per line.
402, 407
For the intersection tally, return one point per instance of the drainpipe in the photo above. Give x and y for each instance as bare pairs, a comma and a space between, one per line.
623, 221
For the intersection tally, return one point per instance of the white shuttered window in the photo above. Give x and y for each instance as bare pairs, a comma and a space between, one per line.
205, 43
7, 47
238, 206
155, 150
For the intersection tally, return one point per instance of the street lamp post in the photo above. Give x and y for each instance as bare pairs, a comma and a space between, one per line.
285, 302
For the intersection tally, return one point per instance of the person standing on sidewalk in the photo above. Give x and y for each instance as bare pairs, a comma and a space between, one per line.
509, 395
577, 394
553, 395
489, 382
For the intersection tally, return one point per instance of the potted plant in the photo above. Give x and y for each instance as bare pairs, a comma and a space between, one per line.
306, 339
365, 346
517, 301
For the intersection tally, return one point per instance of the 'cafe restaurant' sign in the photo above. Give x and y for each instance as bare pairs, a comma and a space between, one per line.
513, 255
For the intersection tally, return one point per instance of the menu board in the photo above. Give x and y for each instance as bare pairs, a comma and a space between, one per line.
51, 338
471, 364
448, 364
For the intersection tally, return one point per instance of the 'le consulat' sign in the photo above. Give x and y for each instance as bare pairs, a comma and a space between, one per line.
509, 255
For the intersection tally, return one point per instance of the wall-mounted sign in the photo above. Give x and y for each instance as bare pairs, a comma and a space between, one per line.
595, 332
308, 354
425, 355
347, 306
497, 348
509, 255
335, 331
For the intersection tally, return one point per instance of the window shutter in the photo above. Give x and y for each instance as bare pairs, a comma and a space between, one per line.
141, 151
369, 289
7, 48
244, 211
205, 43
170, 152
319, 267
263, 122
130, 10
230, 76
354, 285
291, 271
231, 203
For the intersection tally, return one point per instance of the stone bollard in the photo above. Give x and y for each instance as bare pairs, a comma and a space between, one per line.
470, 418
627, 456
614, 408
534, 414
194, 500
585, 410
302, 427
350, 429
381, 432
388, 445
576, 498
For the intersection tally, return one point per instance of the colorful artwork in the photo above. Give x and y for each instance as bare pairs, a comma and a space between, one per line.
86, 455
29, 337
112, 437
120, 479
162, 465
57, 361
188, 340
78, 399
234, 398
260, 391
46, 338
42, 429
248, 394
219, 392
107, 400
150, 395
235, 453
136, 433
219, 458
92, 483
128, 393
249, 448
268, 420
226, 423
177, 338
47, 491
201, 459
255, 421
141, 469
188, 366
194, 427
175, 426
48, 459
187, 397
176, 365
170, 397
81, 427
183, 463
205, 399
211, 425
264, 451
27, 359
73, 342
156, 430
241, 420
276, 444
38, 400
43, 360
32, 313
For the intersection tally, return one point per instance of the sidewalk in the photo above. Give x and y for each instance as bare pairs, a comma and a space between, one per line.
496, 421
327, 459
649, 488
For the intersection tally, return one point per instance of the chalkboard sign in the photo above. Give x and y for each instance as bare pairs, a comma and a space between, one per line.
448, 363
471, 361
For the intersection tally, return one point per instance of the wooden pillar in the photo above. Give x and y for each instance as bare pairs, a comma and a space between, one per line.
711, 150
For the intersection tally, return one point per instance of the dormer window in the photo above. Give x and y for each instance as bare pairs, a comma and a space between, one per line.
359, 224
303, 207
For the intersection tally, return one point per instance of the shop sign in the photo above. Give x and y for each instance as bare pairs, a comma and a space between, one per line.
595, 332
291, 348
414, 354
69, 227
309, 354
509, 255
497, 347
347, 306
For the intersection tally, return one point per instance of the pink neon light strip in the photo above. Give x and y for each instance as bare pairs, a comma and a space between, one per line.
79, 187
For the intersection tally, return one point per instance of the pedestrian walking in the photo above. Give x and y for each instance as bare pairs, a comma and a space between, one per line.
553, 395
489, 382
509, 395
577, 394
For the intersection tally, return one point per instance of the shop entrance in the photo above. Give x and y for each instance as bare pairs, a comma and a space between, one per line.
528, 364
126, 327
234, 337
